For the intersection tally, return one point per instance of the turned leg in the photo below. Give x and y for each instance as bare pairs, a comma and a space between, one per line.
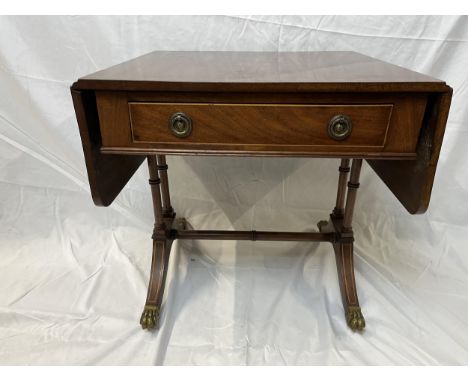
340, 223
167, 210
161, 244
338, 211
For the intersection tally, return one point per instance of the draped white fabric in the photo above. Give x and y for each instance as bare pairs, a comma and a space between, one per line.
73, 276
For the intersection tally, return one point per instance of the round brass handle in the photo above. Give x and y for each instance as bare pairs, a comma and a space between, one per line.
180, 125
339, 127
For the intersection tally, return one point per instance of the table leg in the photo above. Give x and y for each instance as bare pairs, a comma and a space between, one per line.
338, 211
340, 223
167, 210
161, 244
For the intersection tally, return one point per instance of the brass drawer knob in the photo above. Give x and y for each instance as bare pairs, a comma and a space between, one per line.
339, 127
180, 125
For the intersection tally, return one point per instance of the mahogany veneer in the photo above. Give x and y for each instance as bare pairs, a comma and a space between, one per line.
311, 104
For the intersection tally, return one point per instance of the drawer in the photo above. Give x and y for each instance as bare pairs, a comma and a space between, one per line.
257, 124
333, 125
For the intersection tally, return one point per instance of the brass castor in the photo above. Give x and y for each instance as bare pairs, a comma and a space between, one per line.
150, 317
355, 319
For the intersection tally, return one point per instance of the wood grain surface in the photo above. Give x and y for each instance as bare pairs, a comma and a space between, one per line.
420, 106
258, 71
386, 125
105, 182
260, 124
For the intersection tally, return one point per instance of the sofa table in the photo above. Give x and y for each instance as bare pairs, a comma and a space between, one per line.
305, 104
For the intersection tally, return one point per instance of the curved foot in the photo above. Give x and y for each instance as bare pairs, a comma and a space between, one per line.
355, 319
150, 317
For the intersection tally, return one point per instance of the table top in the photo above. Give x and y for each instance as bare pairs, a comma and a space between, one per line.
258, 71
273, 78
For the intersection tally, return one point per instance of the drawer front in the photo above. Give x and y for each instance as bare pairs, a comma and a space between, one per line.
256, 124
381, 125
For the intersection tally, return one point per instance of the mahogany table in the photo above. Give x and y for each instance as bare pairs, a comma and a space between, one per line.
305, 104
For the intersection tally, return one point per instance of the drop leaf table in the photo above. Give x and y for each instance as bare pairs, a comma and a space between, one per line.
340, 105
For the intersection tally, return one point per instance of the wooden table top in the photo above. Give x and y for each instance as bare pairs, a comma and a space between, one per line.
259, 72
255, 79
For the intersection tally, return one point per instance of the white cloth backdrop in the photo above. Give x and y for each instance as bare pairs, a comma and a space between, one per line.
73, 276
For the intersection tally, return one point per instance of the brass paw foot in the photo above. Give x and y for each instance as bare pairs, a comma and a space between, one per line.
321, 224
150, 317
355, 319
